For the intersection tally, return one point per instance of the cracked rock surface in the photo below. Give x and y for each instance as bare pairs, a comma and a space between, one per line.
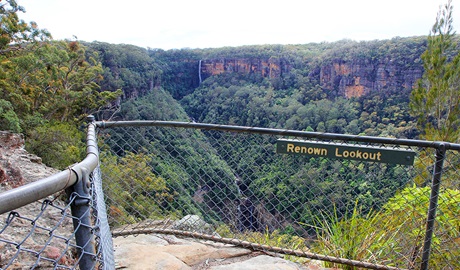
154, 251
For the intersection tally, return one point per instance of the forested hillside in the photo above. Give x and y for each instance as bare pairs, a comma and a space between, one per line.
344, 87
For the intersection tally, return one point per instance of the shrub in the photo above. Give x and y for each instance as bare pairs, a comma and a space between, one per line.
58, 144
408, 210
8, 118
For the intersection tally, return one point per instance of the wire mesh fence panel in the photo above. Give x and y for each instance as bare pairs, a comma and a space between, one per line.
41, 235
446, 236
235, 186
100, 229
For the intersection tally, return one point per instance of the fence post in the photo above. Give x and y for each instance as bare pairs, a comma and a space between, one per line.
435, 184
80, 199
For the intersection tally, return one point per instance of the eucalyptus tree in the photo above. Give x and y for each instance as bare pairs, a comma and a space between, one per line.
15, 36
14, 33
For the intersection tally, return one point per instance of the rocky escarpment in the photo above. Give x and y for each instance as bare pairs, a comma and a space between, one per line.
153, 251
26, 235
176, 251
17, 166
346, 78
267, 68
359, 77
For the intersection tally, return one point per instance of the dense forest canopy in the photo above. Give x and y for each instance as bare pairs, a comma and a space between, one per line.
345, 87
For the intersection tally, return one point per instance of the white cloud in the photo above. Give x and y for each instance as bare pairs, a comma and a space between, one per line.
206, 23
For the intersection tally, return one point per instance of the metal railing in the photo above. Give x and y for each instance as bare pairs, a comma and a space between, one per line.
51, 241
228, 184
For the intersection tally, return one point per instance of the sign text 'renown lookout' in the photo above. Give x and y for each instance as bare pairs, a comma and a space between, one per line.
346, 151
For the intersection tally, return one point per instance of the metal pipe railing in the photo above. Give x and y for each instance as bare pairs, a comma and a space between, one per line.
435, 185
18, 197
281, 132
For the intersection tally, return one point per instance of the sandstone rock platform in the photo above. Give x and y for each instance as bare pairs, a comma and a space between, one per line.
155, 251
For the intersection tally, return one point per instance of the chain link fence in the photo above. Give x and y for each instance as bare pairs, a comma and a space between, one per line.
43, 235
234, 185
65, 226
38, 241
231, 185
39, 235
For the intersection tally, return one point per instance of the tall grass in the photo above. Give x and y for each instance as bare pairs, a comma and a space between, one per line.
357, 237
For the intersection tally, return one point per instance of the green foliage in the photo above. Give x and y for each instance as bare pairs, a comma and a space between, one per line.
135, 191
302, 187
157, 104
354, 238
396, 233
41, 80
58, 144
58, 81
8, 118
179, 70
53, 86
126, 67
407, 212
184, 158
46, 91
14, 33
296, 99
249, 104
436, 100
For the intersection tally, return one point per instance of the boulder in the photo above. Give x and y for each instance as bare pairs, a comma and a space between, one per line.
193, 223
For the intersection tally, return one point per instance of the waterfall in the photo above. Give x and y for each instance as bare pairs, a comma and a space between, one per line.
247, 220
238, 208
199, 71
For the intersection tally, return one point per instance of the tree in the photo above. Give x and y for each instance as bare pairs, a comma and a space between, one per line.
58, 81
14, 33
46, 87
15, 36
59, 144
135, 191
436, 99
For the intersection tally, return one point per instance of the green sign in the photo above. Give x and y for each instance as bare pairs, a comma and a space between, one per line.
346, 151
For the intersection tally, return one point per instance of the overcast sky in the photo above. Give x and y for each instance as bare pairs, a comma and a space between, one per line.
169, 24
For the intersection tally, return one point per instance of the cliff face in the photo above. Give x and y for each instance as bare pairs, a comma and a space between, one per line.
271, 68
343, 78
17, 166
357, 78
